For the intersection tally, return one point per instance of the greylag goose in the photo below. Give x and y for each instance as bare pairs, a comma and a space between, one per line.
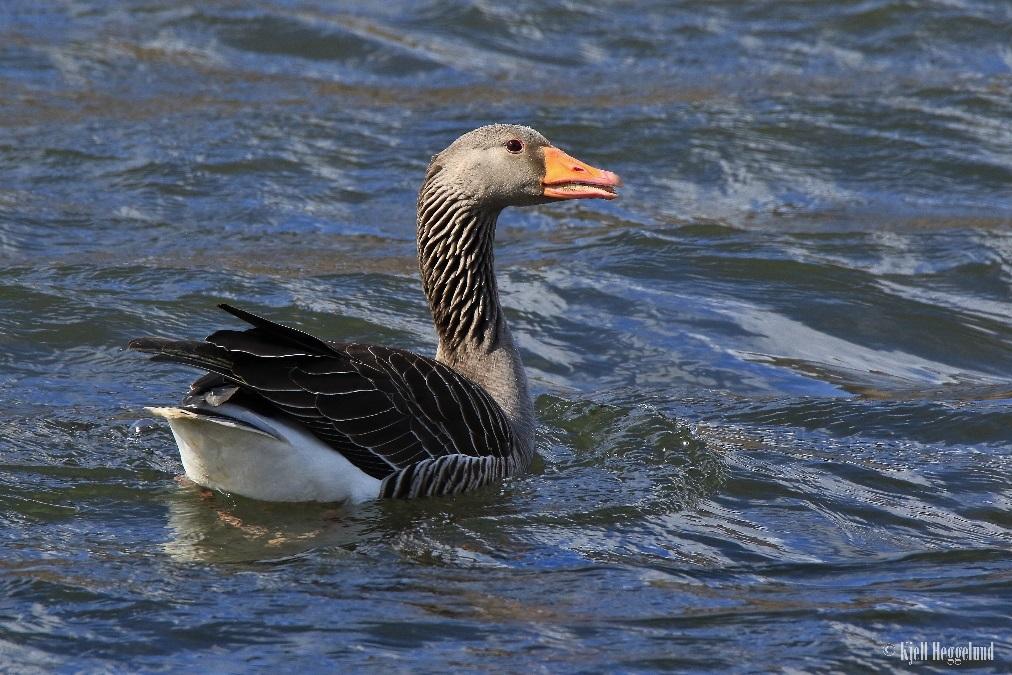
281, 415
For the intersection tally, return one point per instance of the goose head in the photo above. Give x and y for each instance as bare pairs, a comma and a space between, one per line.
511, 165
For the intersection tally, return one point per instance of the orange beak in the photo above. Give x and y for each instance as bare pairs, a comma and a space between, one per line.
568, 178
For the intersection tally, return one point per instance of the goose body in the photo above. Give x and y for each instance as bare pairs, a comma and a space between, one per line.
284, 416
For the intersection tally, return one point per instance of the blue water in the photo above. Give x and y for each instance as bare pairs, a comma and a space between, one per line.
773, 380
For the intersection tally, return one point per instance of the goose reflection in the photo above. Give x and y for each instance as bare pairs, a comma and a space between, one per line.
209, 526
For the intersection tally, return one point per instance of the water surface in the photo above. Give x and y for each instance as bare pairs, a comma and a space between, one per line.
773, 380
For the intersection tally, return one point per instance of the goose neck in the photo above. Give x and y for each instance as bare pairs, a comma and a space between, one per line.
457, 265
455, 257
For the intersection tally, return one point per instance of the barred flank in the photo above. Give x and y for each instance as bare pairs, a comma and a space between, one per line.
447, 475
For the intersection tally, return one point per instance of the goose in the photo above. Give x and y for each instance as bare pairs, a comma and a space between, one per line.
281, 415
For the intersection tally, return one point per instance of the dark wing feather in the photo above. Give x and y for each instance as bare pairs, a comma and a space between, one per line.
280, 334
384, 409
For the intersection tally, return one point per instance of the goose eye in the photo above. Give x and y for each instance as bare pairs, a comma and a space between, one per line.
514, 146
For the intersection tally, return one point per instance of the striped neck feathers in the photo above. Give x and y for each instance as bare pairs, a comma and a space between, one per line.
455, 240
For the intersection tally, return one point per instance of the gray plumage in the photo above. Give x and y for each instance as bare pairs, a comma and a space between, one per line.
421, 426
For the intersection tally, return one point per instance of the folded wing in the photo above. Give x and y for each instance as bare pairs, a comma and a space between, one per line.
384, 409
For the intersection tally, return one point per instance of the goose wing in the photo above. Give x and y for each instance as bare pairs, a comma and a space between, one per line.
384, 409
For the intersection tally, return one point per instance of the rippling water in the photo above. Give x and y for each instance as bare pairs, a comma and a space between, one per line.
773, 380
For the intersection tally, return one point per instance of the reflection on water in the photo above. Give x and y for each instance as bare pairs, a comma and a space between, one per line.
773, 380
212, 527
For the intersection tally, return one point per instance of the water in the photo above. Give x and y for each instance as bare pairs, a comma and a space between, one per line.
773, 380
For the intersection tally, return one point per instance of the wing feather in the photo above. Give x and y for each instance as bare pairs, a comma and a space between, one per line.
384, 409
